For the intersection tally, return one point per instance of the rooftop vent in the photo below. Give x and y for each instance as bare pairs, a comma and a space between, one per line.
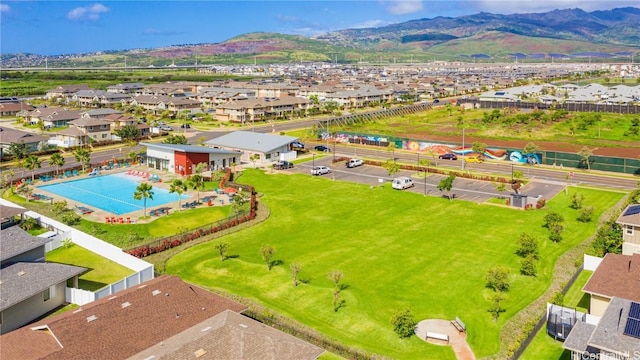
243, 325
126, 304
206, 329
21, 273
156, 292
91, 318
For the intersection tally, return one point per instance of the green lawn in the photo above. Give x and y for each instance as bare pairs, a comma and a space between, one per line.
129, 235
395, 249
101, 272
544, 346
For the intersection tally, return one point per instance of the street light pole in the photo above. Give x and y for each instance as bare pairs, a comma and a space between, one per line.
313, 161
462, 163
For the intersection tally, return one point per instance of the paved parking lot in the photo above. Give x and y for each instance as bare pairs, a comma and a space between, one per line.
466, 189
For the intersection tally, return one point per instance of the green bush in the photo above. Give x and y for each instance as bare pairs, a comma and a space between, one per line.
528, 267
403, 323
498, 278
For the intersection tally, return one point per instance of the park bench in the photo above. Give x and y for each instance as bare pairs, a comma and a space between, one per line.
437, 336
459, 325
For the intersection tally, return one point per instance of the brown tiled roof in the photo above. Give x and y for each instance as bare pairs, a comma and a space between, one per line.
9, 135
88, 121
230, 335
617, 275
124, 324
16, 107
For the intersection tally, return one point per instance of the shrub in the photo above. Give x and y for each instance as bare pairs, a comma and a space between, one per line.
498, 278
558, 298
528, 266
69, 218
528, 246
541, 203
403, 323
585, 214
556, 233
576, 201
553, 218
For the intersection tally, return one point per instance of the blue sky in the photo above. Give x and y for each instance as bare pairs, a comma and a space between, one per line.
62, 27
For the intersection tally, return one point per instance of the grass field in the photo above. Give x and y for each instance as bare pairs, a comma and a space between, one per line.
544, 346
395, 249
102, 271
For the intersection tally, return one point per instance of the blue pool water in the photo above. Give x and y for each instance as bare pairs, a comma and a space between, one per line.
112, 193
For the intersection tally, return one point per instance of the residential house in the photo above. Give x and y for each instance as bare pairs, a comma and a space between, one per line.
118, 121
125, 88
267, 147
100, 113
63, 93
245, 111
162, 318
10, 136
616, 276
182, 159
157, 104
30, 287
88, 98
615, 337
9, 215
83, 131
14, 108
360, 98
53, 116
629, 220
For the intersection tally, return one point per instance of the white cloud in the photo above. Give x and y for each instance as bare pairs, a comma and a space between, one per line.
4, 8
371, 24
287, 18
401, 7
152, 31
91, 12
529, 6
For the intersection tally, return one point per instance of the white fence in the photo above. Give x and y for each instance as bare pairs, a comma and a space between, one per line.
591, 263
143, 270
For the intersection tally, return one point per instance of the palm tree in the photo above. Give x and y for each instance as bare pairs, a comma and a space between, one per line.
144, 191
83, 156
57, 160
178, 186
196, 181
32, 162
133, 156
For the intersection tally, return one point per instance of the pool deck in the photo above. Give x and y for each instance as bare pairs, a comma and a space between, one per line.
99, 215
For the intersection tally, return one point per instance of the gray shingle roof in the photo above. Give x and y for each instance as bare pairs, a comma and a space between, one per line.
23, 280
252, 141
7, 211
608, 335
15, 241
578, 339
230, 335
190, 148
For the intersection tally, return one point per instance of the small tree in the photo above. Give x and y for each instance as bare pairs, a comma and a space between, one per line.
337, 301
32, 163
552, 219
179, 187
498, 278
528, 246
496, 309
585, 154
295, 270
222, 248
479, 147
267, 252
446, 184
500, 188
530, 149
403, 322
254, 158
528, 266
144, 191
335, 277
555, 234
576, 201
83, 156
391, 148
585, 214
60, 206
392, 167
57, 160
558, 298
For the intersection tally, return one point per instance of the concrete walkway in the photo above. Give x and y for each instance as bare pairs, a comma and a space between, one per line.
457, 340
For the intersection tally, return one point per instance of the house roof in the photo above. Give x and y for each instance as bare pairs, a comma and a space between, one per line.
23, 280
15, 241
190, 148
102, 112
630, 215
7, 211
9, 136
122, 325
6, 107
252, 141
88, 121
609, 333
230, 335
578, 339
617, 275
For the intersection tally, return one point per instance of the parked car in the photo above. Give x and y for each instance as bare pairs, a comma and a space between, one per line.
402, 183
297, 145
322, 148
281, 165
354, 163
166, 128
448, 156
320, 170
435, 101
185, 126
473, 159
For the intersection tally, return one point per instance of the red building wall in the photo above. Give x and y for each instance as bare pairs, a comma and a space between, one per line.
185, 162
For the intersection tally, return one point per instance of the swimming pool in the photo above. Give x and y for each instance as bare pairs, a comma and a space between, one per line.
112, 193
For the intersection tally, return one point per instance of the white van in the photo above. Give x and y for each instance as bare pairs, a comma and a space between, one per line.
402, 183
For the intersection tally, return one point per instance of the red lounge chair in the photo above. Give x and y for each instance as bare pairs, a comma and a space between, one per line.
128, 220
113, 219
107, 220
121, 220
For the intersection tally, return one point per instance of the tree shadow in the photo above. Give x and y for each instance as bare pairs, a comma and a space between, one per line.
233, 256
342, 303
305, 280
275, 263
343, 287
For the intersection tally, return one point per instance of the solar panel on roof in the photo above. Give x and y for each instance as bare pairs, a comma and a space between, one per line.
632, 210
632, 328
